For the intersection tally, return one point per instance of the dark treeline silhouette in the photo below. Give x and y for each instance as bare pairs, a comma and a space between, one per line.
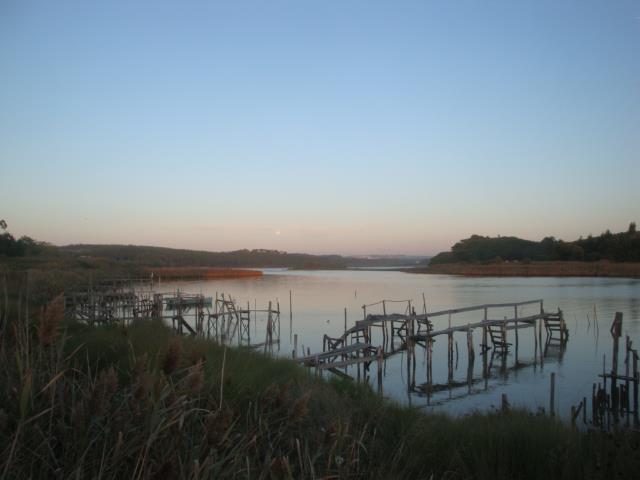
147, 256
260, 258
171, 257
617, 247
22, 247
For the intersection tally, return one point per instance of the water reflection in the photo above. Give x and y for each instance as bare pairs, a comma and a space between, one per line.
323, 302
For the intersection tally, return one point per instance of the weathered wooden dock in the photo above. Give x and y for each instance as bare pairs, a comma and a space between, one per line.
406, 330
221, 318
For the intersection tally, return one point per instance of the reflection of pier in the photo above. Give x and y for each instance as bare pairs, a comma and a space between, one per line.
404, 331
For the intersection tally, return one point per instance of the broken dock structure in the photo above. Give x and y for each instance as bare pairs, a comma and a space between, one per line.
220, 318
378, 336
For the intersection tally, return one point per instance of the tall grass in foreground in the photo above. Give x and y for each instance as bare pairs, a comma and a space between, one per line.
140, 402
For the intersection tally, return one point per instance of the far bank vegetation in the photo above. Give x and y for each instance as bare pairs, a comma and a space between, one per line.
613, 247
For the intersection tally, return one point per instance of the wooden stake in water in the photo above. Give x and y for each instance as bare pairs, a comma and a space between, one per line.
515, 312
552, 394
616, 331
379, 359
345, 319
505, 403
635, 387
290, 316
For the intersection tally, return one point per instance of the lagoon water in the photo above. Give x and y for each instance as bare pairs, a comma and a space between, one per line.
320, 297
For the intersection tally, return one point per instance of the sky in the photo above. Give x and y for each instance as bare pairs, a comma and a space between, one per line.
318, 126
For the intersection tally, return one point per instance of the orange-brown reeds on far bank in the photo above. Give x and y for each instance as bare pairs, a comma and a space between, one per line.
537, 269
190, 273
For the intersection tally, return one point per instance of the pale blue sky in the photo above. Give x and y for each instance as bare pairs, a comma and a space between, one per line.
319, 126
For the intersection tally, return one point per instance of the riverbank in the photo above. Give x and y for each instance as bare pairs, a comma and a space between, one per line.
535, 269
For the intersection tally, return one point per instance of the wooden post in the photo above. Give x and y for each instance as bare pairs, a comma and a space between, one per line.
485, 347
635, 387
429, 360
604, 371
411, 354
384, 325
379, 359
471, 358
345, 319
504, 403
484, 331
627, 366
290, 316
503, 332
616, 331
450, 352
594, 408
552, 394
535, 341
269, 326
540, 322
515, 311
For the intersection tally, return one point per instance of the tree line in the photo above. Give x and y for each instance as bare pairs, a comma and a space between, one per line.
617, 247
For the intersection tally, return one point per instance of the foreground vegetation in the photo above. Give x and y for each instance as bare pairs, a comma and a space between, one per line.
139, 402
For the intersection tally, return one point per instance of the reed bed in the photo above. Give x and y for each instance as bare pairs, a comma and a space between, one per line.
190, 273
536, 269
141, 402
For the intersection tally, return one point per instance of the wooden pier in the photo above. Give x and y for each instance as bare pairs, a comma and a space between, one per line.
406, 330
220, 319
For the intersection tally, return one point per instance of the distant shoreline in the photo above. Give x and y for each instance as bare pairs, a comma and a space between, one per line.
535, 269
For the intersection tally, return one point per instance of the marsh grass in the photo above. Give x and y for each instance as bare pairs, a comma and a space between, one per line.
140, 402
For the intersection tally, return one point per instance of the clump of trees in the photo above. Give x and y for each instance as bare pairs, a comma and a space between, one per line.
618, 247
21, 247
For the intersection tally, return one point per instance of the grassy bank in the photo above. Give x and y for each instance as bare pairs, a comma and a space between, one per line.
536, 269
140, 402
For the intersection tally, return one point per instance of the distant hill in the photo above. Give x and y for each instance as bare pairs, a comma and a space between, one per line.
616, 247
170, 257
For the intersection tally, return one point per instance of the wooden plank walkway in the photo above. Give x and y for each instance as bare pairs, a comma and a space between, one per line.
356, 345
487, 306
526, 322
323, 356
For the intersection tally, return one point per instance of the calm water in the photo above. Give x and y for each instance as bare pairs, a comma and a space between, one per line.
320, 297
